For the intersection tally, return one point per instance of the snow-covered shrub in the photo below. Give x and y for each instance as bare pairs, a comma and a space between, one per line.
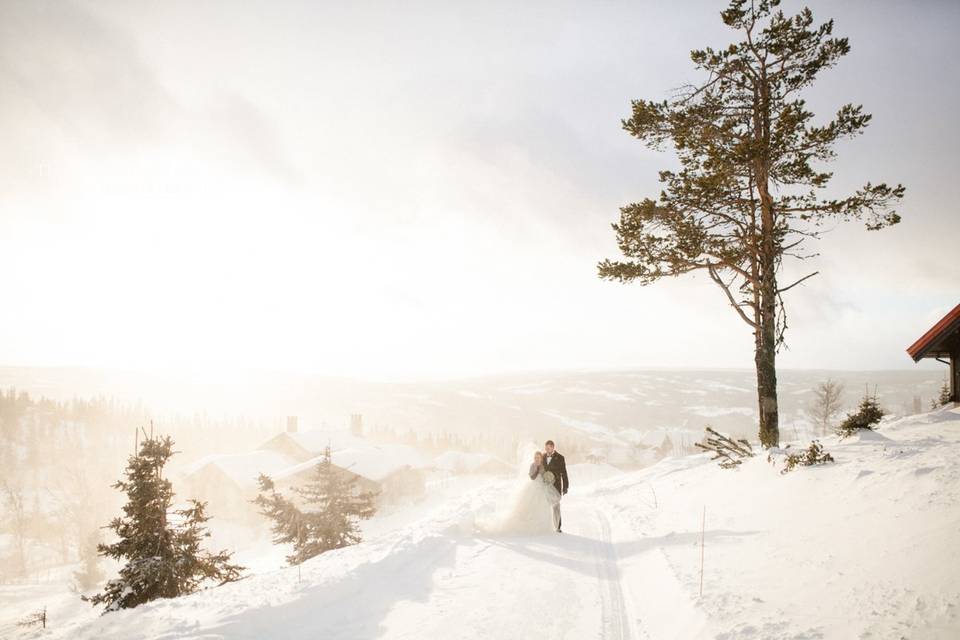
37, 618
813, 455
867, 416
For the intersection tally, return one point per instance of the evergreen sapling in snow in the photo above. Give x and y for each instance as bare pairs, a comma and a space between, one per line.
944, 398
867, 416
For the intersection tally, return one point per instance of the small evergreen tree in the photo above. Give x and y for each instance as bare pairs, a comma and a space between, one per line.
333, 505
867, 416
944, 398
163, 553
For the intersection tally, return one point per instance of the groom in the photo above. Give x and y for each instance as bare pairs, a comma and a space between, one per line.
554, 462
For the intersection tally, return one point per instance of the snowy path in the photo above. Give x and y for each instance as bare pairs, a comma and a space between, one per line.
565, 586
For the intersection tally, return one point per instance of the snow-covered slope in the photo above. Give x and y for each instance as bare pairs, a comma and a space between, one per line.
862, 548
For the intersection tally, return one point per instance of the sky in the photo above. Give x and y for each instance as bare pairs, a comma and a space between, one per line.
367, 189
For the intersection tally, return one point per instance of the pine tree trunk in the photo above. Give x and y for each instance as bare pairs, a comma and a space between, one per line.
767, 386
766, 344
766, 347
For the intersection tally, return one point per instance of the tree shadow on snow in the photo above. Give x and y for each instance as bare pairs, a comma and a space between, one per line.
566, 550
352, 607
629, 548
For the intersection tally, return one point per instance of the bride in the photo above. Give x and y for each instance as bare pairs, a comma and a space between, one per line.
530, 510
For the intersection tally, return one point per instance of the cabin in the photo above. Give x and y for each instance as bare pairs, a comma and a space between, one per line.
306, 445
394, 473
942, 342
227, 482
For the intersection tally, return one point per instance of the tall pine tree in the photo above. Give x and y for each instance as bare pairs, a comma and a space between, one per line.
161, 545
748, 193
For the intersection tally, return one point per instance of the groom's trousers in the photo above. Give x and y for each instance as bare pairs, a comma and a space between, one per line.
557, 520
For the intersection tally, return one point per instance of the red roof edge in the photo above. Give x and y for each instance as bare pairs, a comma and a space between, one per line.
917, 349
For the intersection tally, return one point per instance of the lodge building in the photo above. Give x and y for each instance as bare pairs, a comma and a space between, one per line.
942, 342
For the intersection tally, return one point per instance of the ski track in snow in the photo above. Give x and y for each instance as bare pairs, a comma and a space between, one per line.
616, 624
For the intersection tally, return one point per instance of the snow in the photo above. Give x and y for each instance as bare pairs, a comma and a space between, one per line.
862, 548
714, 412
587, 473
316, 440
466, 461
609, 395
585, 426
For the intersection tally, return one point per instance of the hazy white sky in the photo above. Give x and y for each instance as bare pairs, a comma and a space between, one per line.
356, 188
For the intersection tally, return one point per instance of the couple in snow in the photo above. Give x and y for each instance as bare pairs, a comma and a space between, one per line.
549, 473
533, 507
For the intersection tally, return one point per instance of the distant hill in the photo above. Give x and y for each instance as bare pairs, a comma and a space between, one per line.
593, 404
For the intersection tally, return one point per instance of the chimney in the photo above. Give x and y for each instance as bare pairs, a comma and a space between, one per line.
291, 424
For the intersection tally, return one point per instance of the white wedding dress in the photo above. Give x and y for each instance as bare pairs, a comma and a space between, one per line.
528, 511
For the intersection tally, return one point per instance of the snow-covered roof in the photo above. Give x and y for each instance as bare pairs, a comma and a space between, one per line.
244, 468
369, 461
316, 440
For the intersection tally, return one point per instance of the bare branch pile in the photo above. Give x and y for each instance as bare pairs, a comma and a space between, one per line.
728, 451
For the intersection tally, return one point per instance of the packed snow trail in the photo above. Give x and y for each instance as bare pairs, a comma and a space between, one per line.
560, 585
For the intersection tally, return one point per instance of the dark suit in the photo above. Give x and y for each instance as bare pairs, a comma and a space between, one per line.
558, 466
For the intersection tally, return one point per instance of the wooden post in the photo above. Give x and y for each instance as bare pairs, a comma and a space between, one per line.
703, 527
955, 376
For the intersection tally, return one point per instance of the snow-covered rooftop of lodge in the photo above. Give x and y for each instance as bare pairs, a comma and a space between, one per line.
244, 468
373, 462
316, 440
